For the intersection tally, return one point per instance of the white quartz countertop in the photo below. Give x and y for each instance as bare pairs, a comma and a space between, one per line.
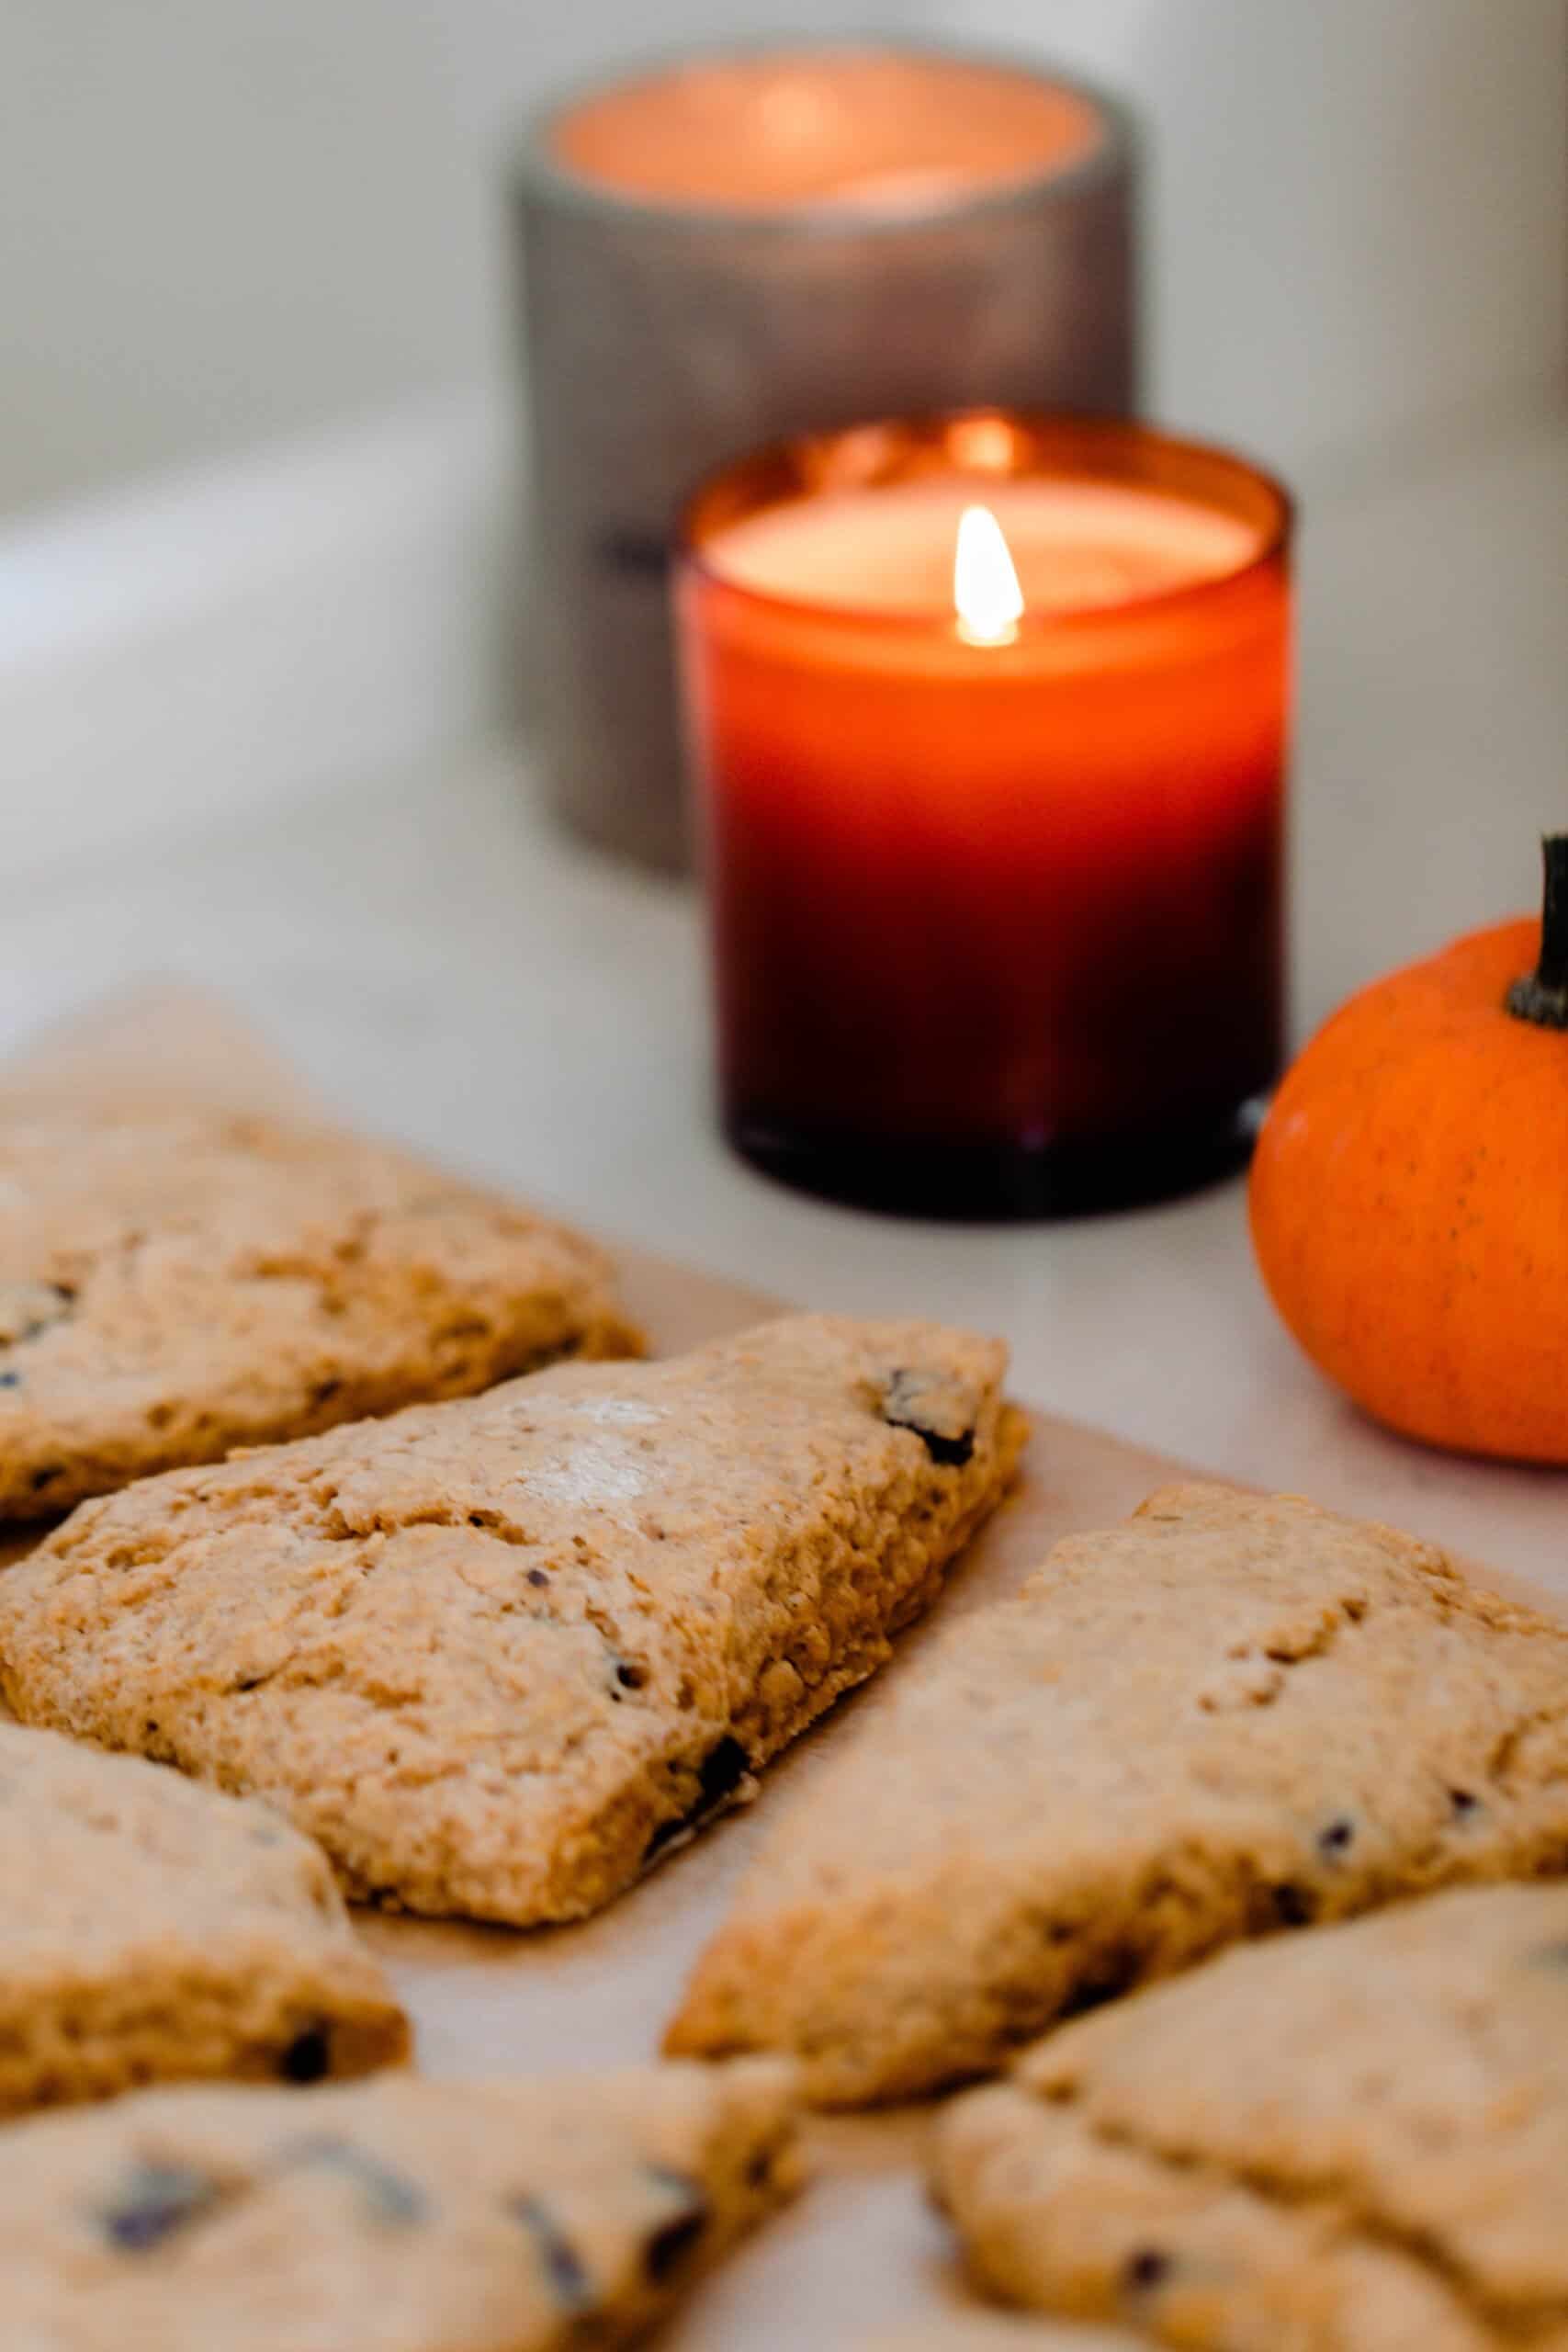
447, 969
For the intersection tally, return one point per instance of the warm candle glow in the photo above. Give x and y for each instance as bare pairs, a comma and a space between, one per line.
873, 128
994, 844
986, 591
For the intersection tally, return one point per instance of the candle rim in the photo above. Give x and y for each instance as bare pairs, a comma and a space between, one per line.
541, 172
1274, 539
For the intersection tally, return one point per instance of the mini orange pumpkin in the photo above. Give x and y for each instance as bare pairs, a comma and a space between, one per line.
1409, 1195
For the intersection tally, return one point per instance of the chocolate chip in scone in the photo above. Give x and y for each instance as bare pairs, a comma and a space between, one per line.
28, 1308
10, 1379
630, 1673
1464, 1804
389, 2196
1293, 1906
939, 1411
1145, 2270
719, 1774
1337, 1837
155, 2200
539, 1576
722, 1770
680, 2231
569, 2282
1111, 1974
308, 2058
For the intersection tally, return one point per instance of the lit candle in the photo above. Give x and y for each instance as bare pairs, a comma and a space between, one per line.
989, 715
877, 127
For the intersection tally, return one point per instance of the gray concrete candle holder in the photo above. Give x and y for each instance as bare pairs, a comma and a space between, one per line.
665, 337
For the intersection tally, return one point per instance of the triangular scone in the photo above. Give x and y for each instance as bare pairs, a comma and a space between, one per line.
499, 1654
151, 1931
1354, 2141
174, 1282
398, 2216
1229, 1714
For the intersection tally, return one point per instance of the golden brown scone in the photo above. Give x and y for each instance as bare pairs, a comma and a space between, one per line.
396, 2216
1353, 2141
152, 1932
498, 1656
176, 1283
1228, 1715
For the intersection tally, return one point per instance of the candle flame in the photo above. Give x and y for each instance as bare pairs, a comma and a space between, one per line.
986, 592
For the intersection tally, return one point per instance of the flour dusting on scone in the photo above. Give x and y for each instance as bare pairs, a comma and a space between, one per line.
1228, 1716
499, 1656
154, 1931
395, 2216
174, 1285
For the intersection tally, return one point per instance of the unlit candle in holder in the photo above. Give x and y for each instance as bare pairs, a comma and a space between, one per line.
736, 247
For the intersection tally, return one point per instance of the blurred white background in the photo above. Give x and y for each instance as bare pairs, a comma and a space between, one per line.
258, 507
223, 221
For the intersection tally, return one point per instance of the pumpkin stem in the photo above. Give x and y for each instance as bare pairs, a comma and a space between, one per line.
1542, 995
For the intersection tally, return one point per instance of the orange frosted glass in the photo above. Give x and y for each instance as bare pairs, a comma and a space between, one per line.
858, 127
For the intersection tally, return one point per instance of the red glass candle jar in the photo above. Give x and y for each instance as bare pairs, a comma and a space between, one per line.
996, 893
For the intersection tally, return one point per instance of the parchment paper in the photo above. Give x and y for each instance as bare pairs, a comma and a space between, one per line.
860, 2249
